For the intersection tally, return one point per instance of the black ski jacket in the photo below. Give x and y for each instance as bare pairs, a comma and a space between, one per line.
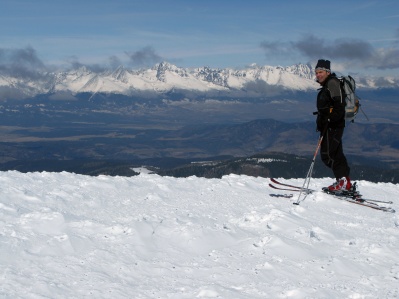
330, 104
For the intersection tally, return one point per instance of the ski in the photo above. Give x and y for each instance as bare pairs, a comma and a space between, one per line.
282, 195
354, 194
291, 187
376, 200
357, 199
282, 184
366, 204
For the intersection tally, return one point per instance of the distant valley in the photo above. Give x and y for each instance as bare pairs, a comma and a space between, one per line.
237, 115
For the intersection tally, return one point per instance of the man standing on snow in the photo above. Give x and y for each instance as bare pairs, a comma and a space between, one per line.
331, 122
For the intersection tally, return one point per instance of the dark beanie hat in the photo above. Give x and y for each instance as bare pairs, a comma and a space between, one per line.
324, 65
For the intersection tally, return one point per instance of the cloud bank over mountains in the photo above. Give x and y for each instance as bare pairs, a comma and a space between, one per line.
352, 51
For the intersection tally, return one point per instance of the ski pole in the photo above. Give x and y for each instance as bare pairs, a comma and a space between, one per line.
306, 183
363, 112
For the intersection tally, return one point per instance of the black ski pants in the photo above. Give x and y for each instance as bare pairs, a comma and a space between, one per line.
332, 153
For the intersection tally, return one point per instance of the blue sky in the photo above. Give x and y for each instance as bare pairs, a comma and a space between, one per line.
357, 36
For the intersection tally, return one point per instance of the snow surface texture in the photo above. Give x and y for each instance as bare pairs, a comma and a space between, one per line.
64, 235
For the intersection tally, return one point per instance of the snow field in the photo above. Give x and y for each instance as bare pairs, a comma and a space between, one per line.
64, 235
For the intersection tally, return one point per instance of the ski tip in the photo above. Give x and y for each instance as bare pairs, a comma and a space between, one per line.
296, 203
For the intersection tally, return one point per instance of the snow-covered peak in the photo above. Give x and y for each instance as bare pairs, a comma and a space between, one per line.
164, 77
119, 73
302, 70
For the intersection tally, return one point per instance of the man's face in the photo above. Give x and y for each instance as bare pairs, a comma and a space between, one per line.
321, 75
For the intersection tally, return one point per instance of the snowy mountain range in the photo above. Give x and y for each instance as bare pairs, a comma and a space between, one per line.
165, 77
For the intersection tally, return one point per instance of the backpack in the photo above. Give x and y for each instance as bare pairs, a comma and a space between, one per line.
348, 87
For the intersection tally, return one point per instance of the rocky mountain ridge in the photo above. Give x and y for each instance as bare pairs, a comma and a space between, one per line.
165, 78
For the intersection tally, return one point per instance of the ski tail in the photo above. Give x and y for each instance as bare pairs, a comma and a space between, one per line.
282, 184
288, 187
